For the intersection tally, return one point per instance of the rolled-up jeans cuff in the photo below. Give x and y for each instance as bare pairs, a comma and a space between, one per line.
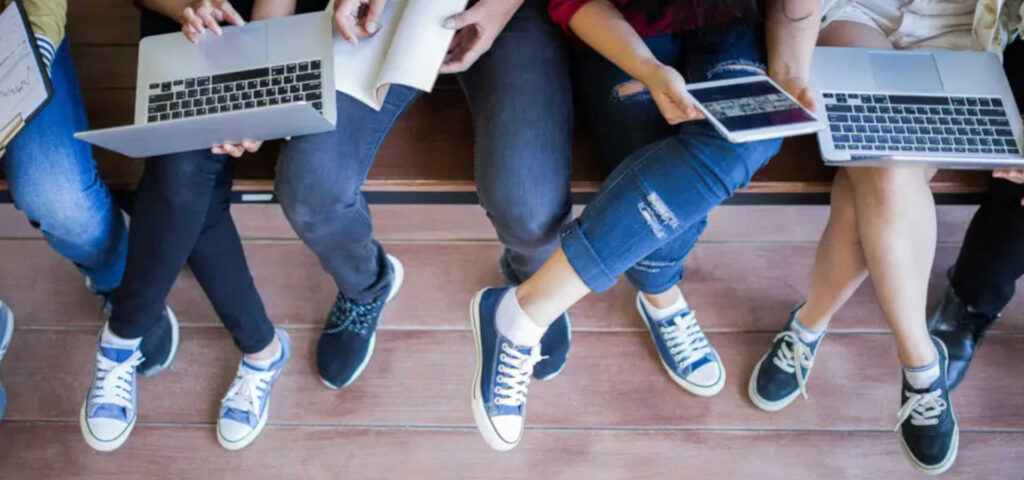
585, 261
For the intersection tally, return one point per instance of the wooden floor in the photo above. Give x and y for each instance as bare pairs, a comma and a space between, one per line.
612, 414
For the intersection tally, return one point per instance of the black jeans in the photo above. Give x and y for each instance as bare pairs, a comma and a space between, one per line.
992, 257
182, 213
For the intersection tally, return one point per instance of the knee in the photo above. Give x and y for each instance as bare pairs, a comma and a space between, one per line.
529, 221
310, 200
183, 182
744, 160
67, 209
887, 187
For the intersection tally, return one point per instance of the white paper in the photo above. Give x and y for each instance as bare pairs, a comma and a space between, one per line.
22, 87
407, 50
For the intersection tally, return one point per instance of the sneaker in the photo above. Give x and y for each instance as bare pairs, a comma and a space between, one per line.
350, 334
685, 352
245, 408
6, 332
503, 372
554, 348
781, 374
159, 346
961, 330
925, 423
109, 412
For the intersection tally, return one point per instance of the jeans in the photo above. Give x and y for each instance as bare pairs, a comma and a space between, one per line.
651, 209
53, 179
182, 214
520, 98
992, 257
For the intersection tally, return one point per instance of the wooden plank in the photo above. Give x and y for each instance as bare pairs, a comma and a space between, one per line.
613, 380
734, 287
103, 22
29, 450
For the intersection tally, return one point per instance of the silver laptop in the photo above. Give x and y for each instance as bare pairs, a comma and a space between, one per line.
944, 109
261, 81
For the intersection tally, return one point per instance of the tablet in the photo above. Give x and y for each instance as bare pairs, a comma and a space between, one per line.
752, 108
24, 85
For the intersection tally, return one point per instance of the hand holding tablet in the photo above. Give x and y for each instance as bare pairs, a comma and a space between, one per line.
752, 108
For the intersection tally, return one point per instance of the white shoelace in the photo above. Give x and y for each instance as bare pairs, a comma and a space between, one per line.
246, 392
113, 382
921, 408
793, 353
685, 340
514, 371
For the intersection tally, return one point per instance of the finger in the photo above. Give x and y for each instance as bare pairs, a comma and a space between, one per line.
251, 146
233, 150
206, 16
191, 19
190, 33
455, 60
371, 24
469, 17
806, 99
470, 56
343, 20
230, 14
218, 150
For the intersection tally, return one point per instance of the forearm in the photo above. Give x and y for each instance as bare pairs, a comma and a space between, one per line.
264, 9
168, 8
601, 26
792, 30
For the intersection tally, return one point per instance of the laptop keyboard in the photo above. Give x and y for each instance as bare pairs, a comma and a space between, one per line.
871, 123
233, 91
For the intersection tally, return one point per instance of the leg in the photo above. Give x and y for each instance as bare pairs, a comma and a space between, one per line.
318, 183
521, 101
53, 179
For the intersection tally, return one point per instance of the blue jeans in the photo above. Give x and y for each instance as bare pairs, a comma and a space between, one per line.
53, 179
519, 95
651, 209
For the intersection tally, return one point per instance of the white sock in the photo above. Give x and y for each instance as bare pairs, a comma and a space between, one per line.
807, 335
515, 324
658, 314
109, 339
922, 377
267, 362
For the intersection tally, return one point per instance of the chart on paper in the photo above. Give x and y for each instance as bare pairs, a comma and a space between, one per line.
22, 87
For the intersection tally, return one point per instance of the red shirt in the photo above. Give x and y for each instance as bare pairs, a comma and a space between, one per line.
561, 12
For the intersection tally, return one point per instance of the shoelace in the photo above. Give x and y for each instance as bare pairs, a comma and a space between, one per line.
514, 371
792, 353
348, 315
113, 380
685, 340
922, 408
246, 392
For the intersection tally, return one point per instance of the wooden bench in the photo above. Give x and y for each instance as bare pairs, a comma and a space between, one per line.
428, 156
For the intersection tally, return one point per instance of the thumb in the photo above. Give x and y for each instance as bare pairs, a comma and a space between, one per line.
458, 21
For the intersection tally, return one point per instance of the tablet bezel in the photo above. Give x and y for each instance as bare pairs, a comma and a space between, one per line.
762, 133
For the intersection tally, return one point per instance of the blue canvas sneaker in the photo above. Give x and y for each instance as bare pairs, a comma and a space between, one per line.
554, 347
927, 428
159, 345
109, 412
781, 374
503, 372
350, 334
685, 352
245, 408
6, 332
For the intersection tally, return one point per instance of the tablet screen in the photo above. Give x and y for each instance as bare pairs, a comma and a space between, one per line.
746, 106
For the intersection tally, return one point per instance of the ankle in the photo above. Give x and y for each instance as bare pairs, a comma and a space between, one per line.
667, 299
270, 352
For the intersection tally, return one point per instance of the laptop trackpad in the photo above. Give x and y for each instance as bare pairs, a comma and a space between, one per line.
236, 49
905, 71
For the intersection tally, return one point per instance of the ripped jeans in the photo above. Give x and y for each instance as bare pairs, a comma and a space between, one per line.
665, 179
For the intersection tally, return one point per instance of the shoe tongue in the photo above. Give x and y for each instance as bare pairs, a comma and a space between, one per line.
116, 354
107, 410
238, 416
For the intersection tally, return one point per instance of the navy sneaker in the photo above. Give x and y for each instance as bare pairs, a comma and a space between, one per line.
159, 345
6, 332
781, 374
245, 408
111, 408
554, 348
685, 352
925, 423
503, 372
350, 335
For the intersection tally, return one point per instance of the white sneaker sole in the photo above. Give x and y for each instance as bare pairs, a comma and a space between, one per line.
761, 403
954, 447
699, 390
483, 422
396, 286
249, 438
175, 339
102, 445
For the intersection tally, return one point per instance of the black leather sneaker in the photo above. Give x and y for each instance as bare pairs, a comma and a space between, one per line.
961, 330
925, 423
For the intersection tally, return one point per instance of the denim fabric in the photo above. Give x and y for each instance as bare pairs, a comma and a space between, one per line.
520, 100
53, 179
651, 209
182, 214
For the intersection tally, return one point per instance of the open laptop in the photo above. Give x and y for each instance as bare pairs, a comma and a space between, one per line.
943, 109
261, 81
